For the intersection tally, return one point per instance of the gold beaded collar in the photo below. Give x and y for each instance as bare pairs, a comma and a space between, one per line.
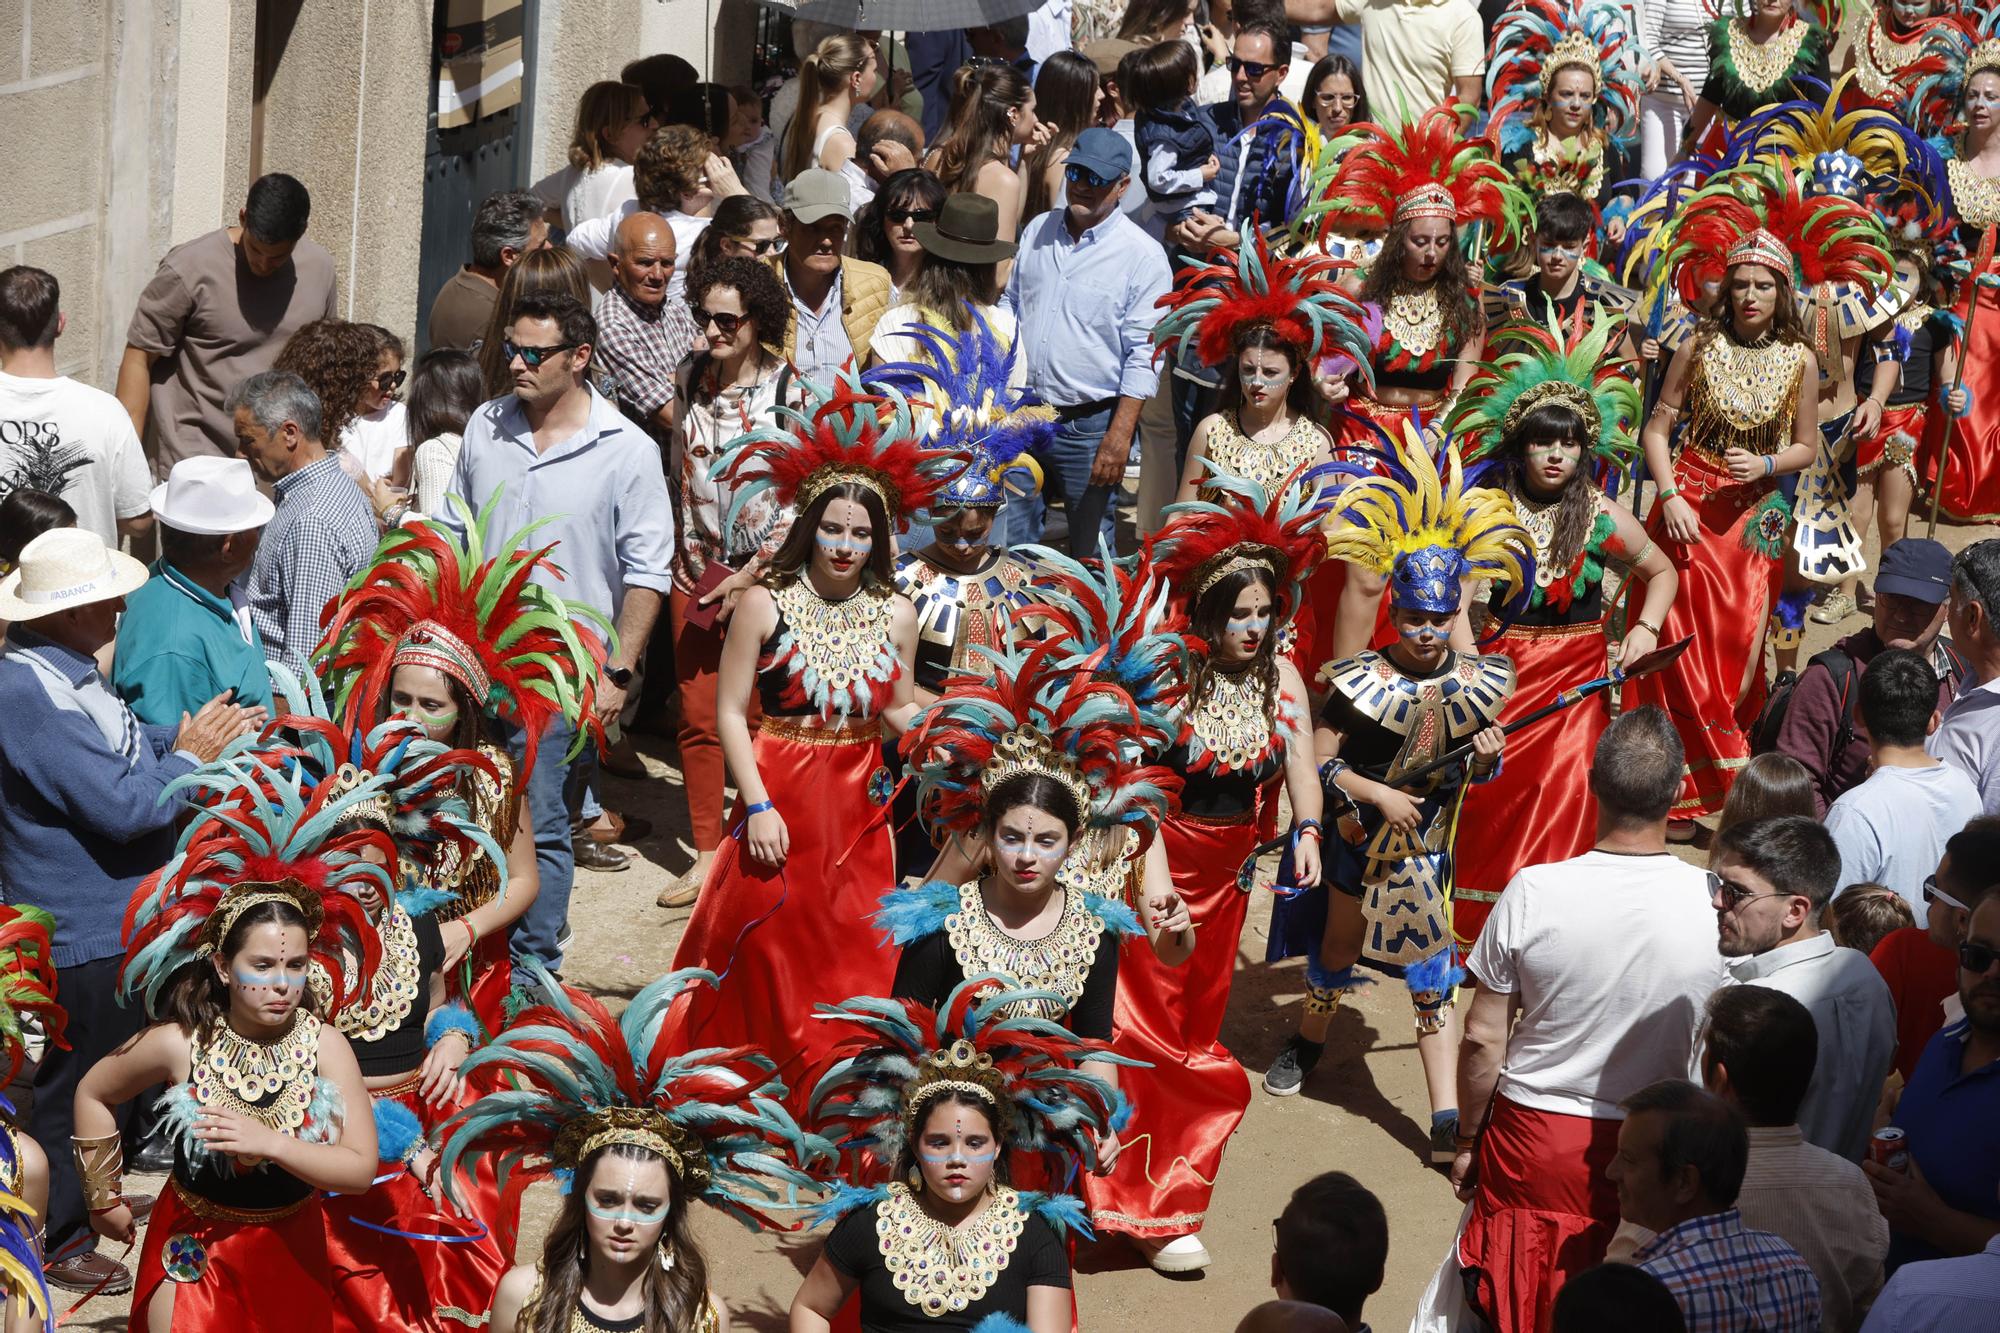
1059, 961
942, 1269
396, 981
269, 1082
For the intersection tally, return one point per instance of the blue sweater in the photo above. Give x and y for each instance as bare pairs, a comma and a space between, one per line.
81, 815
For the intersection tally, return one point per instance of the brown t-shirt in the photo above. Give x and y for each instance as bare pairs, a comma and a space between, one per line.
462, 311
213, 323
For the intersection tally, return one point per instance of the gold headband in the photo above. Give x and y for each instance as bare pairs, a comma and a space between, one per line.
1239, 557
1429, 200
959, 1067
240, 898
823, 479
1575, 49
1562, 391
1763, 249
430, 644
1024, 751
1985, 57
640, 1126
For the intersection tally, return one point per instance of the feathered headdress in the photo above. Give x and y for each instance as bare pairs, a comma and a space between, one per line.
1535, 39
1204, 541
264, 831
1378, 177
1861, 152
1759, 215
574, 1079
985, 1041
841, 434
1298, 297
491, 623
1929, 92
1535, 364
27, 986
966, 380
1024, 711
1428, 532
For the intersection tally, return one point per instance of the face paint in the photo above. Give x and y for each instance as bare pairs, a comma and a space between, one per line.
628, 1214
277, 979
431, 721
957, 1154
1257, 375
1423, 634
844, 545
1247, 625
1567, 252
1016, 846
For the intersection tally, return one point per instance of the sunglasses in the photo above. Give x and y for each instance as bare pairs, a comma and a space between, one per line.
770, 245
1733, 895
1976, 958
725, 324
1934, 895
1249, 69
531, 356
391, 380
1079, 174
902, 215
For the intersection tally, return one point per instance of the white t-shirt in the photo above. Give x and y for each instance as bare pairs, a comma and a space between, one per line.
373, 441
596, 193
71, 440
592, 239
1613, 958
1891, 829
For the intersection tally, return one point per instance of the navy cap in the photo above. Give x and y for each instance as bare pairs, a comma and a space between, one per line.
1915, 567
1102, 151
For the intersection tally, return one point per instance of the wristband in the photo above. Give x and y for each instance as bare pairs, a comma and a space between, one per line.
449, 1019
1647, 625
1770, 464
1460, 1143
1330, 770
758, 808
1668, 492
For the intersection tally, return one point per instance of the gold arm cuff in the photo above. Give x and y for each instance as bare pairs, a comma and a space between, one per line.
100, 1161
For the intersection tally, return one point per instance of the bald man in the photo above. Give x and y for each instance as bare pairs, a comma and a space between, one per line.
641, 336
1291, 1317
889, 142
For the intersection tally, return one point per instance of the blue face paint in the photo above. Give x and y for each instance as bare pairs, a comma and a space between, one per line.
1423, 633
844, 545
1248, 625
1017, 846
278, 979
957, 1155
628, 1214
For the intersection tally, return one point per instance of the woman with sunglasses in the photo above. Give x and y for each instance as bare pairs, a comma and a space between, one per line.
957, 288
744, 227
731, 384
378, 434
886, 231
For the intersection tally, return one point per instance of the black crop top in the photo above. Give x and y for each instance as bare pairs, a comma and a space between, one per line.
401, 1050
1222, 794
929, 971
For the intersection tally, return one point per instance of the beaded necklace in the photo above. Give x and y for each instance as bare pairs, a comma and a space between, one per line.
840, 654
1977, 197
271, 1082
1415, 319
1059, 961
395, 988
1267, 463
1760, 65
944, 1269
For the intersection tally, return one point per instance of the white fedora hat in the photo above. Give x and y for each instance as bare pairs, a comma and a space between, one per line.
212, 496
64, 568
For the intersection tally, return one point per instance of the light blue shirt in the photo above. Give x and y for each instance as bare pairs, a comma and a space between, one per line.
822, 346
1087, 306
603, 488
1941, 1295
1969, 738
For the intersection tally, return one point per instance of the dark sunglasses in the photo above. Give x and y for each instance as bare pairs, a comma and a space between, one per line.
391, 380
1732, 894
1250, 69
1934, 895
1079, 174
770, 245
900, 215
1977, 958
530, 356
725, 324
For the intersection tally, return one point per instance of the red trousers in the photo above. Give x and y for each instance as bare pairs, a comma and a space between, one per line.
697, 664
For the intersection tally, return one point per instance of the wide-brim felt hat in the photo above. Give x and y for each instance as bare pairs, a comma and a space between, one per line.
967, 230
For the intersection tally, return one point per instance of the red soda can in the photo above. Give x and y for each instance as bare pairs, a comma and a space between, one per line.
1890, 1148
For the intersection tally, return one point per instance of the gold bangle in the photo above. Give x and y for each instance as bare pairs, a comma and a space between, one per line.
1639, 622
100, 1162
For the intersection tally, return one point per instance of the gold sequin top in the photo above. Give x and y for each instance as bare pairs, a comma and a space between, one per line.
1266, 464
1742, 397
1877, 56
1976, 197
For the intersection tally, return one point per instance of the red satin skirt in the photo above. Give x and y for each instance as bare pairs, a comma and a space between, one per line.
1543, 1213
1538, 808
382, 1281
1352, 429
1190, 1100
788, 938
247, 1272
1896, 442
1725, 599
491, 967
1971, 487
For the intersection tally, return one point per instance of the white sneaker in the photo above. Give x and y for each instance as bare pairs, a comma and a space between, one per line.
1182, 1254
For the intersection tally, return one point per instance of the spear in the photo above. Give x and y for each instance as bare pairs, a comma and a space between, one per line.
1645, 665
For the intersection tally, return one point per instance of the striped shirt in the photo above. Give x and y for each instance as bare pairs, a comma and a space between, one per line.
1823, 1206
1730, 1279
322, 535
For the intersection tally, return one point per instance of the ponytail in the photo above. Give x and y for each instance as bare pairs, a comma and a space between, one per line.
835, 60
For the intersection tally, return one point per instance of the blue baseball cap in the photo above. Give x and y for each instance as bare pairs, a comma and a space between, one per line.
1102, 151
1915, 567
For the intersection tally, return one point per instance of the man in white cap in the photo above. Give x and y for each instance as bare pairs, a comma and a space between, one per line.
187, 635
81, 823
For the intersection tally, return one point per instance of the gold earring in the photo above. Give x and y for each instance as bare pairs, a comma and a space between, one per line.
916, 1179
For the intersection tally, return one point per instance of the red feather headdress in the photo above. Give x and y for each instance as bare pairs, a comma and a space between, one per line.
27, 983
436, 600
1299, 298
1429, 169
1761, 215
842, 433
1205, 540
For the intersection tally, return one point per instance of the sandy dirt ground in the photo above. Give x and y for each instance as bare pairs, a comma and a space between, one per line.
1363, 1111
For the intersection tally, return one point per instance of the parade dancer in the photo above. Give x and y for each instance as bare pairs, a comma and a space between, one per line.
27, 990
1563, 86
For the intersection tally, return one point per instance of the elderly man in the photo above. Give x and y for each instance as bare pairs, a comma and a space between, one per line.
218, 311
642, 336
187, 635
1086, 285
889, 142
1592, 973
1770, 881
1968, 736
1912, 585
82, 821
555, 449
506, 226
322, 532
835, 300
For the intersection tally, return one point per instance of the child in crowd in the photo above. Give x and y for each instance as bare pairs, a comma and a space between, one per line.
1177, 159
1863, 914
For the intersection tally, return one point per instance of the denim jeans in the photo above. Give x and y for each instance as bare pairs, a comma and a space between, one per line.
554, 794
1066, 463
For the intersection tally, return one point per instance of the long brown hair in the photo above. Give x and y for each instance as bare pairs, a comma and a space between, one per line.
794, 555
1065, 96
196, 1000
553, 268
979, 131
1786, 324
603, 111
1577, 506
1210, 620
1463, 318
675, 1297
837, 59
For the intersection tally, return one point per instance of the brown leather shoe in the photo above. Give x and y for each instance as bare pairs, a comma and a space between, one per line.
91, 1272
598, 856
